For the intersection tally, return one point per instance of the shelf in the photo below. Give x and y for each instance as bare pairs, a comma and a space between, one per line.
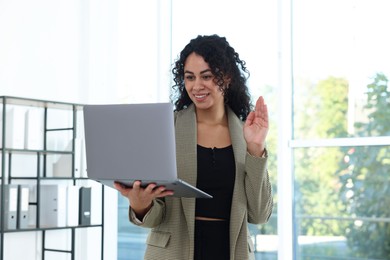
39, 103
53, 127
12, 150
50, 228
50, 178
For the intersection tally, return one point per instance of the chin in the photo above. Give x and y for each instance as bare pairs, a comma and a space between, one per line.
203, 105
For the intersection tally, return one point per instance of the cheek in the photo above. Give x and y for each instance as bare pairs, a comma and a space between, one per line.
187, 88
220, 94
218, 90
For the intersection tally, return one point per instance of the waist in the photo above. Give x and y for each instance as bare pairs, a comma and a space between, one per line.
200, 218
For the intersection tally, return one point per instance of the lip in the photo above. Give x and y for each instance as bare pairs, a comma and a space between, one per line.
201, 97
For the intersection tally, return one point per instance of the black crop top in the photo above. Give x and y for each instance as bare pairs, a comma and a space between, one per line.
216, 175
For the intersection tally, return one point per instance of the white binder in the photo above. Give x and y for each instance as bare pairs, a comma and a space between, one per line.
10, 205
23, 200
52, 205
15, 128
34, 131
72, 206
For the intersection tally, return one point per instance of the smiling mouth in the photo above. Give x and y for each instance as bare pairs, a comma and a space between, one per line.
201, 96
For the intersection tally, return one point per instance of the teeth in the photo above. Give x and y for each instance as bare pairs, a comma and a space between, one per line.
200, 96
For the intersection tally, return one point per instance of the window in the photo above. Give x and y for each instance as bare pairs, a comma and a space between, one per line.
131, 239
340, 131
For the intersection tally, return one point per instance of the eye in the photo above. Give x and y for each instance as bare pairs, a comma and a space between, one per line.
189, 77
207, 77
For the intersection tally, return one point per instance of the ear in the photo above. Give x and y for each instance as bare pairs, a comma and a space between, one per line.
227, 81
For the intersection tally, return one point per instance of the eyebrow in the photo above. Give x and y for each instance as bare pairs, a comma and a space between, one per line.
203, 71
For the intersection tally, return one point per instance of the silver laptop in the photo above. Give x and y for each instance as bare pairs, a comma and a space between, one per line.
130, 142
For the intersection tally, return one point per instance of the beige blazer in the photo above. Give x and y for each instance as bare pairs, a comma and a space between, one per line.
172, 219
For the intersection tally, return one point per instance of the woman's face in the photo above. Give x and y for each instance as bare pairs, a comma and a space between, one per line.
200, 85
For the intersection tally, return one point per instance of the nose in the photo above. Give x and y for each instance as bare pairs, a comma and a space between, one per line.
198, 85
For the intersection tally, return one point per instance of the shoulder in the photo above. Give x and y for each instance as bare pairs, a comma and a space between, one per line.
184, 112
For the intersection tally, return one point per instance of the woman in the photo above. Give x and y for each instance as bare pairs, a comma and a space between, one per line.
221, 149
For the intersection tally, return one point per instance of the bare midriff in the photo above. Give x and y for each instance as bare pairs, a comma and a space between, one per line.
209, 219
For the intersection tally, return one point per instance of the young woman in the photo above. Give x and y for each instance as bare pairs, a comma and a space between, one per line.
221, 148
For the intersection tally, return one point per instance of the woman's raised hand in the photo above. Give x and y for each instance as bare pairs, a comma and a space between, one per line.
256, 128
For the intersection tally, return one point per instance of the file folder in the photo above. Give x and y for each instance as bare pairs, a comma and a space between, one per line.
73, 206
85, 206
34, 129
15, 128
10, 205
52, 205
23, 200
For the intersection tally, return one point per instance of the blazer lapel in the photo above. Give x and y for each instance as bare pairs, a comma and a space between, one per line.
186, 141
239, 149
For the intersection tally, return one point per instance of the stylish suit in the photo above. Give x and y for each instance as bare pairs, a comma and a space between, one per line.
173, 219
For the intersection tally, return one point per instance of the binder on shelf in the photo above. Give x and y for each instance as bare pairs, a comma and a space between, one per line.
10, 205
77, 157
23, 200
34, 132
72, 206
82, 152
15, 127
52, 205
83, 171
85, 206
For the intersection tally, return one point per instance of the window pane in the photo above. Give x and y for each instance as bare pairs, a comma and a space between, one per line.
341, 68
131, 239
342, 198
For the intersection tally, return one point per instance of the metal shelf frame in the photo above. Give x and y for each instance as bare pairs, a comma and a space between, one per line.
41, 173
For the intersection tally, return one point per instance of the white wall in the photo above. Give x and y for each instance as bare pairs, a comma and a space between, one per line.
40, 49
101, 51
85, 51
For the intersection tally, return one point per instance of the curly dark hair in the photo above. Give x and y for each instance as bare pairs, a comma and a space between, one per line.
224, 62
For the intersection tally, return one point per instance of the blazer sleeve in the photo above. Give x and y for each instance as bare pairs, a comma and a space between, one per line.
258, 189
153, 217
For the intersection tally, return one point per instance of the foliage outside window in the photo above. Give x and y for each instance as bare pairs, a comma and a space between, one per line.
365, 178
342, 193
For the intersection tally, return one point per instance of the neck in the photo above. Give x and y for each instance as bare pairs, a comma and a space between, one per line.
212, 117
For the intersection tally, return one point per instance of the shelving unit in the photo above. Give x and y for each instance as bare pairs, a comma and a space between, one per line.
43, 172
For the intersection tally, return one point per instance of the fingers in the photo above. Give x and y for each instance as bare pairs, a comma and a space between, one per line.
264, 115
136, 186
261, 107
250, 118
151, 190
121, 188
261, 111
150, 187
160, 191
117, 186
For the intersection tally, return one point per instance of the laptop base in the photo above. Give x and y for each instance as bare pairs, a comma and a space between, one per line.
179, 187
